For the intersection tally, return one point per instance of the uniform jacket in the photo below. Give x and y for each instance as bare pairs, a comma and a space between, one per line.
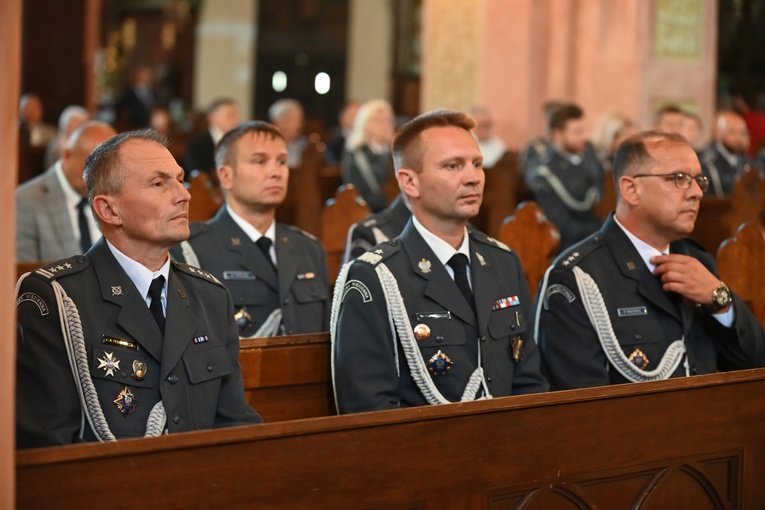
301, 287
194, 369
380, 166
43, 226
643, 316
722, 175
377, 228
370, 368
581, 182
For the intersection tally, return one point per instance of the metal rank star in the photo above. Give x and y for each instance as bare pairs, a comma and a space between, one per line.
424, 266
244, 320
109, 363
126, 402
639, 359
439, 364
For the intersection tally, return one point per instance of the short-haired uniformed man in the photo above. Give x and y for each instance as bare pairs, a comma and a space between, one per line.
566, 177
277, 274
122, 342
639, 301
726, 158
440, 313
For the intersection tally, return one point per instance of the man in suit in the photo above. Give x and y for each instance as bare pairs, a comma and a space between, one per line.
438, 314
122, 342
638, 301
726, 157
222, 116
566, 178
377, 228
53, 218
136, 103
277, 274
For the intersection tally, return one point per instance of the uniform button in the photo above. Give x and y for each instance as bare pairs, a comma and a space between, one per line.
123, 374
483, 339
209, 368
638, 336
488, 378
439, 338
512, 326
176, 419
286, 301
393, 243
314, 294
172, 379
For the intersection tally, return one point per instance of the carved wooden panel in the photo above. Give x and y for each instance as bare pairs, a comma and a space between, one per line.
704, 482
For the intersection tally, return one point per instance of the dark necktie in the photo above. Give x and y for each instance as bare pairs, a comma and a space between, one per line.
82, 222
459, 263
264, 244
155, 293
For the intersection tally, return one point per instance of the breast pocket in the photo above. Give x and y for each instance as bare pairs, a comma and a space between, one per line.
308, 291
206, 369
124, 366
506, 322
433, 330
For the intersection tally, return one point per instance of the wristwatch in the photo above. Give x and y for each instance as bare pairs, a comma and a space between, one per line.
721, 297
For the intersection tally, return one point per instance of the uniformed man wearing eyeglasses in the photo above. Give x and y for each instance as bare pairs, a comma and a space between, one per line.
638, 300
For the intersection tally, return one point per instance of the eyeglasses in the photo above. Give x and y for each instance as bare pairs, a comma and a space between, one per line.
682, 179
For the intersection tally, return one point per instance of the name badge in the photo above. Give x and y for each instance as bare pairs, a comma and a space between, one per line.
119, 342
434, 315
238, 275
632, 312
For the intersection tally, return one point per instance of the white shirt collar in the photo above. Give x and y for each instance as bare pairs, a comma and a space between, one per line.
645, 250
443, 250
253, 233
140, 275
216, 134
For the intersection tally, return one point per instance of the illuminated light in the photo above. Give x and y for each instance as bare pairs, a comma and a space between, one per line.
321, 83
279, 81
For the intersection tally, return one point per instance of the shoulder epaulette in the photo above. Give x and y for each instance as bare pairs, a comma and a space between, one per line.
573, 256
370, 222
303, 232
63, 267
195, 271
380, 252
483, 238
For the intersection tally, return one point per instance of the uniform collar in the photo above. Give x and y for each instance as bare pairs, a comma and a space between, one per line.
140, 275
443, 250
645, 250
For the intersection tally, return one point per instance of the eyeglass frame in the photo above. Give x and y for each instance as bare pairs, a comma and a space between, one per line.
679, 177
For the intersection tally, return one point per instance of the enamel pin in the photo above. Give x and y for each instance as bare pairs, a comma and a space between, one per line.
424, 266
109, 363
439, 364
126, 402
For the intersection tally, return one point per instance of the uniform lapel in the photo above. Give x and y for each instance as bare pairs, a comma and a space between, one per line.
116, 287
286, 259
249, 255
632, 266
485, 286
439, 286
180, 325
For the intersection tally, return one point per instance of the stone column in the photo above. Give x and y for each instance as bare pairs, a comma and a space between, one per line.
225, 52
370, 50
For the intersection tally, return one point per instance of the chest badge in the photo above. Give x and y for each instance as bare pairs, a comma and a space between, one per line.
439, 364
421, 332
109, 363
139, 370
126, 402
517, 348
639, 359
424, 266
243, 320
116, 290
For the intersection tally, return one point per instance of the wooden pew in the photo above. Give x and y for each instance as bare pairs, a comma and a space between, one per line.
687, 443
206, 196
740, 264
534, 238
720, 217
339, 214
28, 267
288, 377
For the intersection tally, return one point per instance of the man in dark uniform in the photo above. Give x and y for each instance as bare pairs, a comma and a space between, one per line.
408, 328
637, 301
377, 228
122, 342
222, 116
726, 158
277, 274
566, 178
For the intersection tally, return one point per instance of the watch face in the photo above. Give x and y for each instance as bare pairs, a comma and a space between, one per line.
722, 296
